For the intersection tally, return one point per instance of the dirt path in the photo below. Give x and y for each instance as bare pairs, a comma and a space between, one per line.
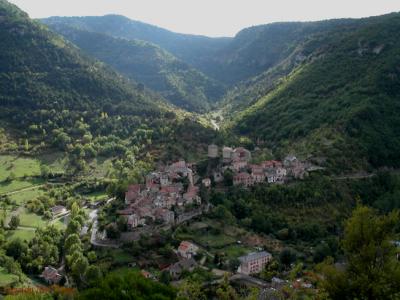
23, 190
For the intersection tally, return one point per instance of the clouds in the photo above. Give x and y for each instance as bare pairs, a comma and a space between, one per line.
211, 17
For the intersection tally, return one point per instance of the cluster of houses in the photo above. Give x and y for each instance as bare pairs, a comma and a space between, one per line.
165, 191
238, 160
250, 264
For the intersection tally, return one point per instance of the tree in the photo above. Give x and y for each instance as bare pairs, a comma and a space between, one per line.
128, 284
287, 256
372, 270
79, 267
190, 290
112, 231
16, 248
14, 222
92, 275
225, 291
228, 177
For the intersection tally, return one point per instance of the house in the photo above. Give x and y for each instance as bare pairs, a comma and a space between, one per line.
58, 210
187, 249
164, 179
258, 176
271, 176
254, 263
271, 164
227, 153
133, 221
242, 178
206, 182
238, 164
256, 168
51, 275
241, 153
290, 160
184, 265
133, 193
281, 172
191, 195
164, 215
212, 151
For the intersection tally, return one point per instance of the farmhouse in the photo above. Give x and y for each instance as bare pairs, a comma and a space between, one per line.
58, 210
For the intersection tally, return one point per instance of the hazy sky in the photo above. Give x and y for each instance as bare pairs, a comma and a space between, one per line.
211, 17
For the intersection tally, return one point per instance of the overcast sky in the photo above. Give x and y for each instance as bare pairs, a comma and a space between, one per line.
211, 17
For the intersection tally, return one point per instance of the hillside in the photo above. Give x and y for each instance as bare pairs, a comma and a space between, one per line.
54, 96
147, 63
340, 104
192, 49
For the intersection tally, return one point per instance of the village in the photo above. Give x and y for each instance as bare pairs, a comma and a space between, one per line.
171, 195
245, 173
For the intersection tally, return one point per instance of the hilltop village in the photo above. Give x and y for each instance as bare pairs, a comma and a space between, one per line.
171, 194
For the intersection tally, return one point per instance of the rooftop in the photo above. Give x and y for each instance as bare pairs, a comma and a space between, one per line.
254, 256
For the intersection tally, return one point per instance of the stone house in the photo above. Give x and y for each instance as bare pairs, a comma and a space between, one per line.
242, 154
184, 265
187, 249
258, 176
227, 153
238, 164
165, 215
133, 221
254, 263
242, 178
212, 151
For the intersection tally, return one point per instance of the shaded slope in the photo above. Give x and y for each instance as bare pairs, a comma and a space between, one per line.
147, 63
54, 96
193, 49
341, 103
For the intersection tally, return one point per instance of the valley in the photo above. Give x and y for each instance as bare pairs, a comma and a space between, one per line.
140, 163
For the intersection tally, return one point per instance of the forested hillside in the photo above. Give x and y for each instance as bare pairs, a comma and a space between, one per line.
53, 95
147, 63
193, 49
341, 102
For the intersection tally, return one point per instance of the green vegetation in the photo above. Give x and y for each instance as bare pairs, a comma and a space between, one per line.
372, 269
147, 63
6, 278
127, 284
339, 104
18, 167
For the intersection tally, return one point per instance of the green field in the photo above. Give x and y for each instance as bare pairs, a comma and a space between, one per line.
22, 234
15, 185
6, 278
22, 197
28, 219
93, 197
121, 257
234, 251
19, 166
